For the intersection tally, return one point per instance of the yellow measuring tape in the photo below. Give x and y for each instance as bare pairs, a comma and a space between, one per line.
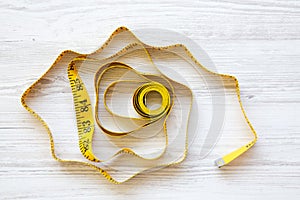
89, 116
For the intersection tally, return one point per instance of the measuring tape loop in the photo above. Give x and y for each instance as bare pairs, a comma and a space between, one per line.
93, 103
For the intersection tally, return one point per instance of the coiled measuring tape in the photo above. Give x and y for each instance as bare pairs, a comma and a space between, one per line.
139, 99
88, 117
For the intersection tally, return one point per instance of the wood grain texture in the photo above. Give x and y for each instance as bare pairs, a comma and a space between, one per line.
257, 41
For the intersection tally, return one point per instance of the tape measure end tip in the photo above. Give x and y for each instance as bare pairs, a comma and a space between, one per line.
219, 162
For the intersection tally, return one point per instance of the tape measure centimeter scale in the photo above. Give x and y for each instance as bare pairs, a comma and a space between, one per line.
84, 115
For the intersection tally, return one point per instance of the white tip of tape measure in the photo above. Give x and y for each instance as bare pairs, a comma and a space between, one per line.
220, 162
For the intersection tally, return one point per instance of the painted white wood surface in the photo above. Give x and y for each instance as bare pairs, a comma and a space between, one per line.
257, 41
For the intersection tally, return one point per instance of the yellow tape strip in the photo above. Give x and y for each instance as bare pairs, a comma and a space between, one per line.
84, 109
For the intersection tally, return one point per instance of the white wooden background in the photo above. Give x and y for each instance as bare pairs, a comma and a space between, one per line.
257, 41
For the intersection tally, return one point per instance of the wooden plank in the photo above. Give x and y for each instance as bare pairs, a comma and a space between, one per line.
257, 41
